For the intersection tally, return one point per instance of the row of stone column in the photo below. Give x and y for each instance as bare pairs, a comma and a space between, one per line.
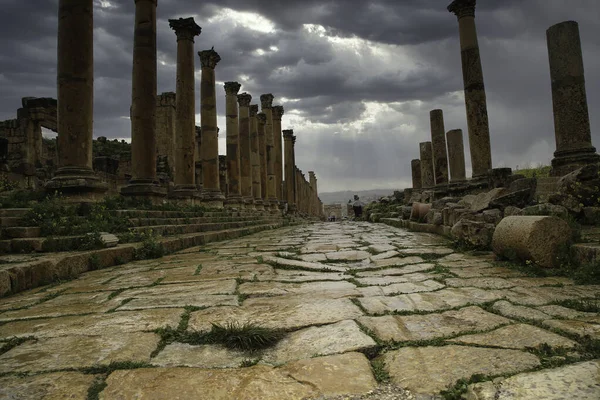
306, 194
443, 157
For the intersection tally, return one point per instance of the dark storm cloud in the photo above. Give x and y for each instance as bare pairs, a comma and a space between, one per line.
403, 53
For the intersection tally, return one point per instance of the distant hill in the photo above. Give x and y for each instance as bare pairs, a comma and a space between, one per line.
365, 195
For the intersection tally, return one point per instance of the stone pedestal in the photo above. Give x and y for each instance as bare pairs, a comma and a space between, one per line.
185, 110
278, 149
75, 177
415, 166
288, 141
256, 156
456, 155
234, 187
571, 118
267, 108
143, 106
438, 143
245, 149
426, 152
209, 150
475, 99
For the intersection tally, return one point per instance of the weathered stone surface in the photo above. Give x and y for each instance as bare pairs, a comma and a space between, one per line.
512, 311
484, 283
341, 337
534, 238
53, 386
424, 327
411, 287
576, 327
384, 255
439, 367
284, 262
564, 312
519, 336
348, 255
91, 325
324, 289
474, 233
546, 209
203, 356
482, 201
408, 269
288, 313
78, 352
397, 261
285, 275
577, 381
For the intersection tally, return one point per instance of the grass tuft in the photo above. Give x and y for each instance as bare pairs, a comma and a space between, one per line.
244, 336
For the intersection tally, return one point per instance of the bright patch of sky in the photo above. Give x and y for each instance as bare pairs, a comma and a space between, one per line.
248, 20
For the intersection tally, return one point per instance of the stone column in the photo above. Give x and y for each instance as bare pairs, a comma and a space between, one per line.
261, 120
255, 158
278, 148
415, 166
209, 151
267, 108
475, 100
75, 83
245, 149
234, 188
185, 109
165, 131
143, 105
456, 155
571, 119
438, 144
288, 141
198, 161
426, 151
314, 193
223, 172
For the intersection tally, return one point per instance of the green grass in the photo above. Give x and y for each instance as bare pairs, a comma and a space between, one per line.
379, 372
590, 305
244, 336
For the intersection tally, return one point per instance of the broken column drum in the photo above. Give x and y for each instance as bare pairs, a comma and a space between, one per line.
415, 166
456, 155
438, 144
426, 153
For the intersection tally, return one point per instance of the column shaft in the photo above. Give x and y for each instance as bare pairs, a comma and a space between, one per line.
456, 155
426, 151
415, 166
288, 138
245, 148
234, 189
266, 105
278, 149
261, 120
438, 143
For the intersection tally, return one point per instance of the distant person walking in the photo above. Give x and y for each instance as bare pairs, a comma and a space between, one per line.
357, 206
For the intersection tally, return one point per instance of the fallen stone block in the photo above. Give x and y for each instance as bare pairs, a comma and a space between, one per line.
546, 209
419, 211
536, 238
482, 201
519, 198
474, 233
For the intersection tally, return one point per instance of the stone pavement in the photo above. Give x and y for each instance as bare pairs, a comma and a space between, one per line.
361, 304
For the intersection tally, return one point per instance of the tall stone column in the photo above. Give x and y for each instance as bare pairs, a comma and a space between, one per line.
456, 155
278, 148
267, 108
288, 145
209, 151
75, 83
569, 100
475, 99
198, 161
143, 105
245, 149
426, 151
261, 121
415, 166
165, 131
185, 109
297, 196
314, 193
255, 158
438, 143
234, 188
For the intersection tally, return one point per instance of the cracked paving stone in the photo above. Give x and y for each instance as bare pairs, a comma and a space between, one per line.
439, 367
284, 262
78, 352
322, 289
397, 261
518, 336
431, 326
512, 311
52, 386
348, 255
402, 288
202, 356
576, 327
295, 275
564, 312
408, 269
483, 283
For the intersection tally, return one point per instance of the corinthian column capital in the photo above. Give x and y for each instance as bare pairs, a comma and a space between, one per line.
209, 58
244, 100
185, 28
253, 110
463, 8
277, 112
266, 100
232, 88
288, 134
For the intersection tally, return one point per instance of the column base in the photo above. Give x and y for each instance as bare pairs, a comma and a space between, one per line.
213, 198
187, 194
248, 203
273, 205
234, 201
145, 189
77, 185
565, 162
259, 205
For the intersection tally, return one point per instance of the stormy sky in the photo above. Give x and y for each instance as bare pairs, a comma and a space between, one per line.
357, 78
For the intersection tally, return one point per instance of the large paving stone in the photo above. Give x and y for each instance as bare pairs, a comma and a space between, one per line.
440, 300
288, 313
342, 374
396, 262
95, 324
203, 356
581, 328
408, 269
424, 327
517, 336
512, 311
440, 367
564, 312
341, 337
348, 255
78, 352
284, 262
384, 255
415, 251
53, 386
483, 283
485, 271
320, 289
292, 275
577, 381
402, 288
538, 296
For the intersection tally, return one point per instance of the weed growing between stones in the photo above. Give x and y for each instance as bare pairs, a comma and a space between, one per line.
115, 365
552, 357
97, 386
94, 262
14, 342
150, 248
460, 387
249, 362
379, 371
244, 336
589, 305
198, 269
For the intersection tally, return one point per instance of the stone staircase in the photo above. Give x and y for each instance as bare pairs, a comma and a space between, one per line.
589, 251
28, 260
546, 186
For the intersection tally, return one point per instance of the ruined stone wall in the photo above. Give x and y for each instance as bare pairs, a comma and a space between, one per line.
333, 209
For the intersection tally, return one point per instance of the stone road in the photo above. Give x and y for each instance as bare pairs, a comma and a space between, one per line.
361, 304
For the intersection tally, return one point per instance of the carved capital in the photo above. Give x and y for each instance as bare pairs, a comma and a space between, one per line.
244, 100
463, 8
253, 110
232, 88
185, 28
261, 118
293, 140
288, 134
277, 112
266, 100
209, 58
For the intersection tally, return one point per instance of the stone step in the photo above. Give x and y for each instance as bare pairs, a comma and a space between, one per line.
6, 222
20, 232
184, 214
18, 277
13, 212
586, 253
166, 230
185, 221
